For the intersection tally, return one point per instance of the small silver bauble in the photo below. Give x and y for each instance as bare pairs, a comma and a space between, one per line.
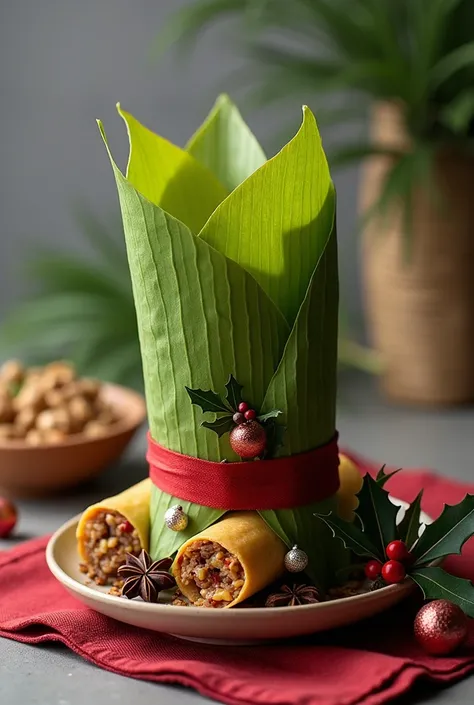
175, 518
296, 560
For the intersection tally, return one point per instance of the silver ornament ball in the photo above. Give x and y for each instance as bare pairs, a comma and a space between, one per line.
296, 560
175, 518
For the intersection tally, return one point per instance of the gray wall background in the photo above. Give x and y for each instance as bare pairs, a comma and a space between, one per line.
64, 63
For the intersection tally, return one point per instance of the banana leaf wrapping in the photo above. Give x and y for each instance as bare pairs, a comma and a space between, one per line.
233, 260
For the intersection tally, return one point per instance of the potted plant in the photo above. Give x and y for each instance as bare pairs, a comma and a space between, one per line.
407, 67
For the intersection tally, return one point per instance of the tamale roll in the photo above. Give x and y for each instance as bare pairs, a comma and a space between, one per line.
351, 481
110, 529
229, 561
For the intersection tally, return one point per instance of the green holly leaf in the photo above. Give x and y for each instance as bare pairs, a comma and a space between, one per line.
234, 393
353, 538
383, 477
447, 534
437, 584
410, 525
220, 426
207, 400
273, 414
377, 514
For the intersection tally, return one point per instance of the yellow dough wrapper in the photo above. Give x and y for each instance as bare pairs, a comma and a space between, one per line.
229, 561
110, 529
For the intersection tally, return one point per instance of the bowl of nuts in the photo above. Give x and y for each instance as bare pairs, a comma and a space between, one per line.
58, 429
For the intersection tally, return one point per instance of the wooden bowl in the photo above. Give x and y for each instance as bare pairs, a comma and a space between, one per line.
31, 471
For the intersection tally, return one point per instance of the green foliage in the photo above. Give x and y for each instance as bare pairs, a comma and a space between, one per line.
80, 308
437, 584
409, 527
234, 393
447, 534
377, 514
383, 477
347, 54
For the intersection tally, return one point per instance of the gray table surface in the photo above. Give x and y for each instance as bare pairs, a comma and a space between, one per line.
52, 675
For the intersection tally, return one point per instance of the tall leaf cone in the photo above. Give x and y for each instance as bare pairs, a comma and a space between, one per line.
233, 260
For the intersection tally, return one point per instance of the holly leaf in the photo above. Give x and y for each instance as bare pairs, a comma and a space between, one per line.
437, 584
273, 414
409, 527
447, 534
383, 477
220, 426
353, 538
207, 400
275, 437
234, 393
377, 514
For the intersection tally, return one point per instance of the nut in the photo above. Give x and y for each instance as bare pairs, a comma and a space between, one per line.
25, 420
53, 418
30, 395
80, 412
34, 437
88, 388
53, 435
7, 412
7, 432
95, 429
57, 374
12, 371
54, 398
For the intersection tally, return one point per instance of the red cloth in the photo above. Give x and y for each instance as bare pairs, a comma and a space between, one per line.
292, 481
369, 663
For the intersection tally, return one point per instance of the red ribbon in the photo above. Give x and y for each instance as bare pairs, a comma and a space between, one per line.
281, 483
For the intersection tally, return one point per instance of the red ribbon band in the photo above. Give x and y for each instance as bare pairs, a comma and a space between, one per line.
281, 483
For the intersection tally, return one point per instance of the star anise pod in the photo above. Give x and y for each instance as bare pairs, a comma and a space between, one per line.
144, 578
291, 595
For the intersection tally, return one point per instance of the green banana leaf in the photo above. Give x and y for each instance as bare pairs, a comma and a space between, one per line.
225, 144
252, 293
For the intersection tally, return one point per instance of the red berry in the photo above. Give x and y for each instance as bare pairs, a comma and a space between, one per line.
398, 551
250, 415
243, 406
125, 527
238, 418
373, 569
393, 572
8, 517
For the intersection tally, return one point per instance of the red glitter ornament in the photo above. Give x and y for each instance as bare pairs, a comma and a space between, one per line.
398, 551
248, 440
373, 569
440, 627
393, 572
8, 517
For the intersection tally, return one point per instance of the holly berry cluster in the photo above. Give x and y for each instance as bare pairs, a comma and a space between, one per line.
244, 413
393, 550
394, 569
252, 435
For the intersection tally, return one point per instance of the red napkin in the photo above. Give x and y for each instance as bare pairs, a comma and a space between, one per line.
368, 663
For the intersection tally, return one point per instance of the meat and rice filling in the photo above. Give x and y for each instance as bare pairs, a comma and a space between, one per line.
108, 538
216, 573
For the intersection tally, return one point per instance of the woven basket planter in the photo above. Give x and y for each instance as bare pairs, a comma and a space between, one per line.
420, 310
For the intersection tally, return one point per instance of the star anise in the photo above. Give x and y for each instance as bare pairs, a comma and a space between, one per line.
291, 595
144, 578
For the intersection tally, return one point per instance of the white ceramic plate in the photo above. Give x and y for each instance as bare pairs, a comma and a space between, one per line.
241, 626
